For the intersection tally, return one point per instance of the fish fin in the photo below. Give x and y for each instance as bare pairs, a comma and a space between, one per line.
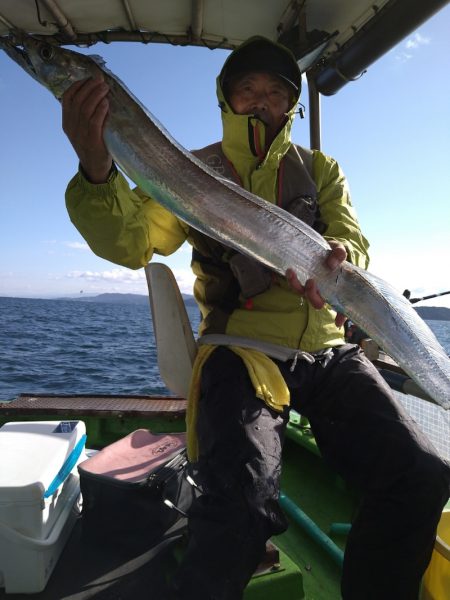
99, 60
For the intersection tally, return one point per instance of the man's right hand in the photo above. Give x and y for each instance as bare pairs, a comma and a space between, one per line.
310, 291
84, 112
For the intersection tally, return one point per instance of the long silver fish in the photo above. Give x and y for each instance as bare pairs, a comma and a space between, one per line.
151, 158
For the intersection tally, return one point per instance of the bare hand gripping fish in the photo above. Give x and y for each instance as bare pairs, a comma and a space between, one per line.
195, 194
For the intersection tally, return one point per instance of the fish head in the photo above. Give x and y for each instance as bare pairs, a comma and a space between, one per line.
18, 54
54, 67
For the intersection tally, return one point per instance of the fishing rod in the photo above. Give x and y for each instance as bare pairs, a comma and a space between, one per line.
407, 295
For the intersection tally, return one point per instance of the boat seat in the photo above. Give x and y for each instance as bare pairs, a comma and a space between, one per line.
175, 343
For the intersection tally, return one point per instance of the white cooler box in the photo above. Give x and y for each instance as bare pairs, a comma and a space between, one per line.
39, 493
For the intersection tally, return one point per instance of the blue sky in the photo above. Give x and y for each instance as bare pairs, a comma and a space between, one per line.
389, 131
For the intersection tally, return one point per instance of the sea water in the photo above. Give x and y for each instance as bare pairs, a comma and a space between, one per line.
85, 347
76, 347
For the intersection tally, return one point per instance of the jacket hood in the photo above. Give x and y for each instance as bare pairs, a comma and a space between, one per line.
243, 139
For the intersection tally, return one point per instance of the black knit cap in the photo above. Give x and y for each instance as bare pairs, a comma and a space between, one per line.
260, 54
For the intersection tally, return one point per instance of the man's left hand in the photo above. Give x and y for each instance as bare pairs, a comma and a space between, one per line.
310, 291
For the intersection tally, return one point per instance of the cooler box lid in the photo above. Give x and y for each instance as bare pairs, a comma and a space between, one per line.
35, 458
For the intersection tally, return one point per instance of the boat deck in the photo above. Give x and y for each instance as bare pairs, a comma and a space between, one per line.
305, 569
107, 418
96, 405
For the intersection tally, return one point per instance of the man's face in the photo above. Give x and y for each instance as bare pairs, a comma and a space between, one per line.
263, 95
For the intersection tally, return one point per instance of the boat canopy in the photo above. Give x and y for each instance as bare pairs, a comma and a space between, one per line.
334, 41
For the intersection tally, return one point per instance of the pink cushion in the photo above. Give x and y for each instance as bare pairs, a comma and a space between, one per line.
133, 457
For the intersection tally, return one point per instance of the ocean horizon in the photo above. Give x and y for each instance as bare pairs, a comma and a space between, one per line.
64, 347
104, 344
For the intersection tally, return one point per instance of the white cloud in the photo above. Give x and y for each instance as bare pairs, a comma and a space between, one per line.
415, 270
127, 280
113, 275
403, 57
416, 41
185, 279
117, 280
53, 244
77, 245
411, 46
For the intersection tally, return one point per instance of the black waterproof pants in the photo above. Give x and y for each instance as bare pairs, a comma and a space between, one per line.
361, 431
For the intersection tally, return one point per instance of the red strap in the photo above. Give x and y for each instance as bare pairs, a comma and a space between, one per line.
235, 173
256, 141
249, 304
280, 182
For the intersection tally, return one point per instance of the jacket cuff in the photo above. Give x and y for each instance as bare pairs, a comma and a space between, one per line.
111, 175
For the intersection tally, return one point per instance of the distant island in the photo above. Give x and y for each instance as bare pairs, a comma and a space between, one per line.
433, 313
428, 313
124, 299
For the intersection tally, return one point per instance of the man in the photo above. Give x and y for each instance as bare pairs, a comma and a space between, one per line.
359, 427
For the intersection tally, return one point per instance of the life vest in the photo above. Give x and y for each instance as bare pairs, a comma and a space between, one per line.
233, 275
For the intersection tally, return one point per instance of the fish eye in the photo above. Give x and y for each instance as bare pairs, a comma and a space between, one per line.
46, 52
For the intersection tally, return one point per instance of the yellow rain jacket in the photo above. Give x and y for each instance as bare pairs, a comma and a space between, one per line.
127, 227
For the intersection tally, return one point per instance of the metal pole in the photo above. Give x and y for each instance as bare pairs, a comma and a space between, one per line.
63, 22
314, 115
197, 19
312, 529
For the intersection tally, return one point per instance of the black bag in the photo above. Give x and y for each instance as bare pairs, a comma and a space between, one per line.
134, 490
